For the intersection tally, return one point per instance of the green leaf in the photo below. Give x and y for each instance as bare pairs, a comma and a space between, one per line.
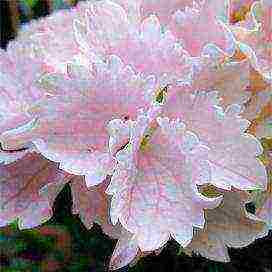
30, 3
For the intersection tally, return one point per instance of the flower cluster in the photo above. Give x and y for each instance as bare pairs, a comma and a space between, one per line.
152, 111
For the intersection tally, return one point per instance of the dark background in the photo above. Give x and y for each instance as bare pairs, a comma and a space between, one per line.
63, 244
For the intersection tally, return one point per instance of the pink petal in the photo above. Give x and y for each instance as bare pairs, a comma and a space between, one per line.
229, 225
72, 129
199, 26
92, 205
153, 194
108, 31
126, 250
231, 79
232, 154
164, 10
256, 43
20, 187
49, 39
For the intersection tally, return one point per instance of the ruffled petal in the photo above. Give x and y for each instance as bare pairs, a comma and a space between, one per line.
126, 250
152, 188
227, 226
256, 41
92, 204
70, 126
20, 187
108, 31
49, 39
232, 154
198, 26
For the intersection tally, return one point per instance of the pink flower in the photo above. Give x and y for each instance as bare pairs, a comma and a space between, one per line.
144, 46
21, 190
229, 225
196, 24
256, 41
17, 89
30, 185
152, 188
164, 162
49, 39
114, 78
70, 126
231, 153
125, 98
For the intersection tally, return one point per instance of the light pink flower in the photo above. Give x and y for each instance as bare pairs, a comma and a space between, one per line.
211, 68
229, 225
70, 126
49, 39
153, 190
30, 185
21, 190
195, 23
92, 205
144, 46
231, 153
256, 42
17, 89
231, 79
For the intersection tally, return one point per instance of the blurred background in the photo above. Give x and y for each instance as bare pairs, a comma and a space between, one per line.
63, 244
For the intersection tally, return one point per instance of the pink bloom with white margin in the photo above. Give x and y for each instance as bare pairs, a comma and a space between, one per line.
230, 78
17, 91
209, 68
144, 46
71, 125
229, 225
29, 186
256, 42
164, 9
92, 205
196, 24
120, 84
20, 190
50, 39
152, 188
231, 153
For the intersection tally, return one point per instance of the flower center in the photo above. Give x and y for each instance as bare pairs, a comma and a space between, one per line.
161, 93
145, 141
